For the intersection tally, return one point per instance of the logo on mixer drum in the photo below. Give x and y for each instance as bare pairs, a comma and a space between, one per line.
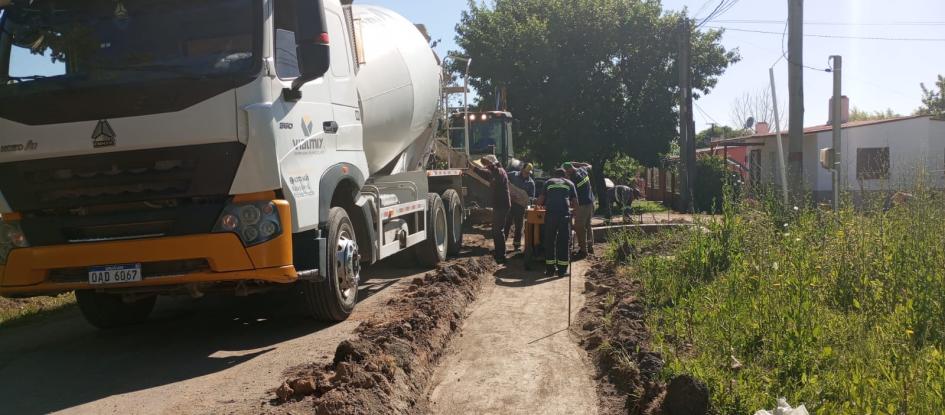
103, 135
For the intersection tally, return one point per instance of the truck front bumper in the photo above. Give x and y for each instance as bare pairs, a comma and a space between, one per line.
165, 261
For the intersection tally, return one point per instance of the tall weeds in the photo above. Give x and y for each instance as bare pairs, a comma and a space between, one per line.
844, 312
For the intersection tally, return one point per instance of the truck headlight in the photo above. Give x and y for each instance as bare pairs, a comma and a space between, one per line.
11, 237
254, 223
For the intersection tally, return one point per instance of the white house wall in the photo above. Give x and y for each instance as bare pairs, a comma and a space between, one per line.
936, 153
916, 149
908, 148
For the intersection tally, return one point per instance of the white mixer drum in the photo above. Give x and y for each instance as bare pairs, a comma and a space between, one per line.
399, 85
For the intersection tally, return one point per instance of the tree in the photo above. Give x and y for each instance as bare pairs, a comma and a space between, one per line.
757, 105
857, 114
933, 102
586, 79
705, 137
622, 169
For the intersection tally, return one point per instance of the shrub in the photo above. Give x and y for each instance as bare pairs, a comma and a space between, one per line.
842, 312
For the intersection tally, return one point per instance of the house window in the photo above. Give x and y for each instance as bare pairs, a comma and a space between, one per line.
754, 167
872, 163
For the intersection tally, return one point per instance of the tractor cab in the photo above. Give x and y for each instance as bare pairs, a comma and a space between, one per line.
490, 132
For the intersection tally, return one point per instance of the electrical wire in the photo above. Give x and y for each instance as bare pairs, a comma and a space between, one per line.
826, 23
705, 114
895, 39
723, 7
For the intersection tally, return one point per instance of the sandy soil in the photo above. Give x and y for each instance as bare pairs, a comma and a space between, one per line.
515, 355
217, 355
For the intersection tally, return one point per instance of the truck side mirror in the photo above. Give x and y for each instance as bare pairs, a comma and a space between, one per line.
312, 44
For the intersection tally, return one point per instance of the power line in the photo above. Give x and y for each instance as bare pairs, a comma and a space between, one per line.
827, 23
704, 113
723, 7
704, 5
896, 39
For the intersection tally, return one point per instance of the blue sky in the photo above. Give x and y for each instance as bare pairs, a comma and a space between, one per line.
877, 74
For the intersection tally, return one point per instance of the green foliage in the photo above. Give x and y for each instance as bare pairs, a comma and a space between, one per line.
641, 206
586, 79
857, 114
712, 175
704, 137
842, 312
622, 169
933, 102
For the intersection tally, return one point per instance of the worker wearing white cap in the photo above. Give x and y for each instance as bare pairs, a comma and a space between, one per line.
523, 180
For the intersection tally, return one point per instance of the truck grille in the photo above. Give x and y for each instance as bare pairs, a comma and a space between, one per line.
140, 175
124, 195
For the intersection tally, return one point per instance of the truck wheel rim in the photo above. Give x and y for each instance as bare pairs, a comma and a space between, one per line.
347, 265
457, 222
439, 229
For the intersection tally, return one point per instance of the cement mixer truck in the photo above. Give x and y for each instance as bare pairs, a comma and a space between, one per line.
177, 147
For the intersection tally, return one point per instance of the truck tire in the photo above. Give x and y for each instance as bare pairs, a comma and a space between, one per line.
334, 298
108, 311
433, 250
454, 221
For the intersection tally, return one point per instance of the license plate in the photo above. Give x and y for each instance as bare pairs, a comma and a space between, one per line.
115, 274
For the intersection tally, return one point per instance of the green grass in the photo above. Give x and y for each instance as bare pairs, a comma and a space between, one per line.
842, 312
18, 311
647, 206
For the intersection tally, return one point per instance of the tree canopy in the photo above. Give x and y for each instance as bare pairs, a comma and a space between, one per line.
705, 137
933, 101
586, 79
857, 114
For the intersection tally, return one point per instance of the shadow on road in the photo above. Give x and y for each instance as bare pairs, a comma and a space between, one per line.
514, 275
62, 362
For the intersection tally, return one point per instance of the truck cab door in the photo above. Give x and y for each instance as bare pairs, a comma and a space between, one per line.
300, 118
344, 95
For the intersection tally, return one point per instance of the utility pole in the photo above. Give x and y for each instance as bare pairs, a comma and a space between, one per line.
796, 95
837, 124
687, 148
777, 130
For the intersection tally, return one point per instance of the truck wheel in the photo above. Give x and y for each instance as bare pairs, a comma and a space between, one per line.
107, 311
334, 298
454, 215
433, 250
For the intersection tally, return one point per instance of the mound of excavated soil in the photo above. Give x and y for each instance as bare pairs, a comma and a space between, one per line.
386, 366
614, 332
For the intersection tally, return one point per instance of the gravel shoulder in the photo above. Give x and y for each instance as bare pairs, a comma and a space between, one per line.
516, 354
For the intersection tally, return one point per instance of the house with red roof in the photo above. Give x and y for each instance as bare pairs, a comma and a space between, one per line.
877, 156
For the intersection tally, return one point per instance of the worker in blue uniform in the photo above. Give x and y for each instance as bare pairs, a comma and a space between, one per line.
558, 198
579, 173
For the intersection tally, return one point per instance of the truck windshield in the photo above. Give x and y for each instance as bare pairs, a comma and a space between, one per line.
99, 47
485, 137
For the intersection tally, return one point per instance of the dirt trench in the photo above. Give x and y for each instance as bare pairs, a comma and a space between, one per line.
387, 364
613, 330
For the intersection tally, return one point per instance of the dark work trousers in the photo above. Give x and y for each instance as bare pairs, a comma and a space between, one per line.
557, 240
499, 217
516, 220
